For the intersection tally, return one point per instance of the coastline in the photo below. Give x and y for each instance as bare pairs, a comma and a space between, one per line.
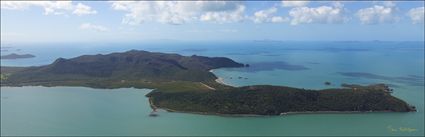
219, 79
205, 113
257, 115
332, 112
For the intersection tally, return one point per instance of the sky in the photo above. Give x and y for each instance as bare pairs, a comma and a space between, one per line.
134, 21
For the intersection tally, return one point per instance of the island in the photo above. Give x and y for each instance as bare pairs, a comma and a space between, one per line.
17, 56
186, 84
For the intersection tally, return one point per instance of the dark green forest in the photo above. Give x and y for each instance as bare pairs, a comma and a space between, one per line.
274, 100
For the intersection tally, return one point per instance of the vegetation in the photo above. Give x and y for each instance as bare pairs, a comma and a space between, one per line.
274, 100
7, 71
3, 77
129, 69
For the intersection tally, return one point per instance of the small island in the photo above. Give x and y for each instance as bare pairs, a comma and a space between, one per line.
17, 56
186, 84
327, 83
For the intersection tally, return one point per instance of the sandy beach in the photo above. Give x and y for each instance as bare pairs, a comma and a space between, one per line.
257, 115
220, 80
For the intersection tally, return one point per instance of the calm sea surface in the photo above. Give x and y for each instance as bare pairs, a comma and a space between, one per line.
86, 111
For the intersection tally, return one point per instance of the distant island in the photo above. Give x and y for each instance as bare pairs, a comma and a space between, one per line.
17, 56
186, 84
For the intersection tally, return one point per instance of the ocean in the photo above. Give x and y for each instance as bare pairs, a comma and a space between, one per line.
86, 111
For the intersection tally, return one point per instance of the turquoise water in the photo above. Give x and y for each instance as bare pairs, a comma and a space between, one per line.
85, 111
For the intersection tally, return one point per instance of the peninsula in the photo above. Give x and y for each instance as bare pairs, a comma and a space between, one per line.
185, 84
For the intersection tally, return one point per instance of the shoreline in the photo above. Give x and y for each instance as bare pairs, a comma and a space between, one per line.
206, 113
332, 112
205, 85
219, 80
257, 115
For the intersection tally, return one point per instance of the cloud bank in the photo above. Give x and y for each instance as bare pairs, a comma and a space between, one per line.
50, 7
180, 12
417, 15
377, 14
322, 15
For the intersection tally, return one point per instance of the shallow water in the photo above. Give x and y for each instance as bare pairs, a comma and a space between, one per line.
85, 111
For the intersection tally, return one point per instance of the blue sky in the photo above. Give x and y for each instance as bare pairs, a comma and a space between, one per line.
101, 21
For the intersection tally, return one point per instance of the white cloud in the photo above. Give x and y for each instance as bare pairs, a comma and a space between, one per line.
278, 19
235, 15
82, 9
291, 3
179, 12
337, 4
14, 5
89, 26
417, 15
161, 11
50, 7
388, 4
378, 14
267, 15
322, 14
